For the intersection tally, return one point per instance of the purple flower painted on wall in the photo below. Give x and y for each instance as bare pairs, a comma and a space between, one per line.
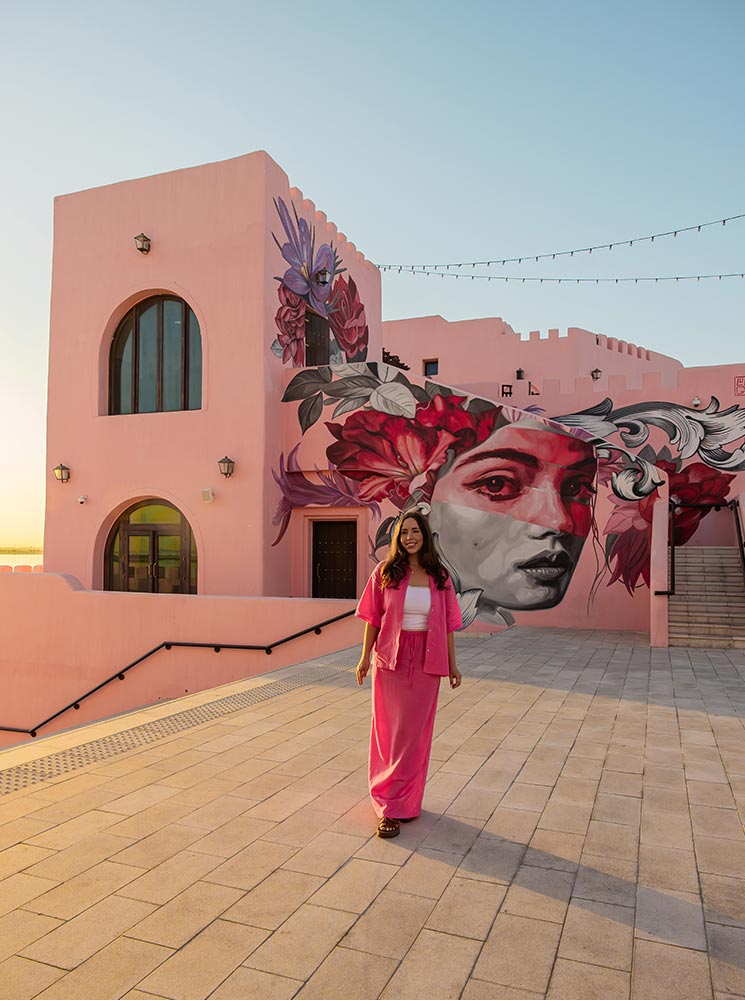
312, 286
310, 272
333, 490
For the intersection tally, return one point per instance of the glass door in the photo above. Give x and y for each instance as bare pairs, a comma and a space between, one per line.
168, 564
139, 562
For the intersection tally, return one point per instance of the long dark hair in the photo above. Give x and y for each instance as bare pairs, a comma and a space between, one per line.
397, 561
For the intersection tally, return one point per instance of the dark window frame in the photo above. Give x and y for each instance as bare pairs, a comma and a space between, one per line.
189, 330
317, 340
430, 361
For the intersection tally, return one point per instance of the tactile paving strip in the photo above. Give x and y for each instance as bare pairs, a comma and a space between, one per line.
15, 778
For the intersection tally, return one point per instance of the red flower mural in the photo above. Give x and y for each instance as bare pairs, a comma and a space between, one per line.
630, 525
392, 456
290, 320
347, 318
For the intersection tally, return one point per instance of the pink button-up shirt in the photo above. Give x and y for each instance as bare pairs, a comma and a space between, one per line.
383, 607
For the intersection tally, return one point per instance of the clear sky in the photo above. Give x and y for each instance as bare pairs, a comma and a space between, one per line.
426, 130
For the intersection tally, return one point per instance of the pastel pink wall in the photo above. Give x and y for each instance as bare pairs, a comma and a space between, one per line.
211, 229
60, 640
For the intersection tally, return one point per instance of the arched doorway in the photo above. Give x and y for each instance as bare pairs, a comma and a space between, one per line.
151, 550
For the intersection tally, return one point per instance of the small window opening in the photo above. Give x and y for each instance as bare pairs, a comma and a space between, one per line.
431, 366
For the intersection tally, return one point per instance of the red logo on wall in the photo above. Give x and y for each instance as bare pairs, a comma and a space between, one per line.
740, 385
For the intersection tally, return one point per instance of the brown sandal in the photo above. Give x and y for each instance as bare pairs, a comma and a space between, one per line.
388, 827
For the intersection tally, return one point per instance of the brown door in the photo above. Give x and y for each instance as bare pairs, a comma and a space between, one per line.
335, 559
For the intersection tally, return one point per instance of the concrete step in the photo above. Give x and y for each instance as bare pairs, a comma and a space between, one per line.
696, 642
712, 617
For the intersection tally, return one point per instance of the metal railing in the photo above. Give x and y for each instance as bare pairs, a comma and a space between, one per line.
217, 647
733, 505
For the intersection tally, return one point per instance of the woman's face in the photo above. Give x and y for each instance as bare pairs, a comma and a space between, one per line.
512, 515
410, 537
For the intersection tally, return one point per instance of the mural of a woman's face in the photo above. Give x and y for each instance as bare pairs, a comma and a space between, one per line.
513, 513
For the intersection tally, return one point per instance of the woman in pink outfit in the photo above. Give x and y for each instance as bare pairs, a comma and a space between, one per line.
411, 612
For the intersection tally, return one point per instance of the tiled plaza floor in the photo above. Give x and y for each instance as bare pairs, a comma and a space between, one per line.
581, 839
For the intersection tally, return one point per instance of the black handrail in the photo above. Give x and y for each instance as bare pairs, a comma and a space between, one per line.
733, 505
120, 674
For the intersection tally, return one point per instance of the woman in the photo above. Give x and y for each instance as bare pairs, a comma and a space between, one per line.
411, 612
512, 515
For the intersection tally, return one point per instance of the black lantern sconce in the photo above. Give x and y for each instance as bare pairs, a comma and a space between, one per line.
323, 276
62, 473
227, 467
595, 374
520, 375
142, 243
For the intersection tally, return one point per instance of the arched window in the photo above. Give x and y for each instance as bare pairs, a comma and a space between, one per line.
156, 358
151, 550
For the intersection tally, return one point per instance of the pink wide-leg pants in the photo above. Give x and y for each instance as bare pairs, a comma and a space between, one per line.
404, 703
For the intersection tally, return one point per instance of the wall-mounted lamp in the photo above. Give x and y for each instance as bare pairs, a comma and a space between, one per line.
323, 276
62, 473
142, 243
519, 374
696, 401
227, 467
595, 374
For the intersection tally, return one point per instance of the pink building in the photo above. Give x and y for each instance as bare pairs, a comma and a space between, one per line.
223, 429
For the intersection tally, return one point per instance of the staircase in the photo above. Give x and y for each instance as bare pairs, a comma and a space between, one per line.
708, 607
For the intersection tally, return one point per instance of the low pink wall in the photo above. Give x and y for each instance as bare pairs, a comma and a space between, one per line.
59, 640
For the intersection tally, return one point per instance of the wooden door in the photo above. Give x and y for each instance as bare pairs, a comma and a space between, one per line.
335, 559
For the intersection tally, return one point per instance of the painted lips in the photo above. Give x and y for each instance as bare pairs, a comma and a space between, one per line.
547, 567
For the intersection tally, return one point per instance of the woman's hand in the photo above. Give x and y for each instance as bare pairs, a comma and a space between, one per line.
455, 676
362, 668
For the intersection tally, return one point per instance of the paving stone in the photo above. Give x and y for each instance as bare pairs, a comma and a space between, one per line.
19, 928
250, 866
519, 952
666, 868
19, 889
250, 984
303, 941
346, 973
580, 981
209, 958
623, 809
664, 829
274, 899
175, 923
540, 893
662, 972
551, 849
109, 973
437, 966
492, 859
599, 934
709, 821
356, 885
720, 857
467, 908
606, 880
727, 957
724, 899
377, 933
23, 979
670, 917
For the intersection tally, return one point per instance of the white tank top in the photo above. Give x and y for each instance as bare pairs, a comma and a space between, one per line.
417, 605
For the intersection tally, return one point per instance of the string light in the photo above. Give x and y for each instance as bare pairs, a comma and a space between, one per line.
596, 281
566, 253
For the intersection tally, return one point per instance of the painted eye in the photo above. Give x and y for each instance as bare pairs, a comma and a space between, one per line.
497, 487
579, 490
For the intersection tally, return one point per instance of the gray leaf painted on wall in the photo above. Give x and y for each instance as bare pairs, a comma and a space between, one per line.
347, 405
306, 383
309, 411
394, 398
